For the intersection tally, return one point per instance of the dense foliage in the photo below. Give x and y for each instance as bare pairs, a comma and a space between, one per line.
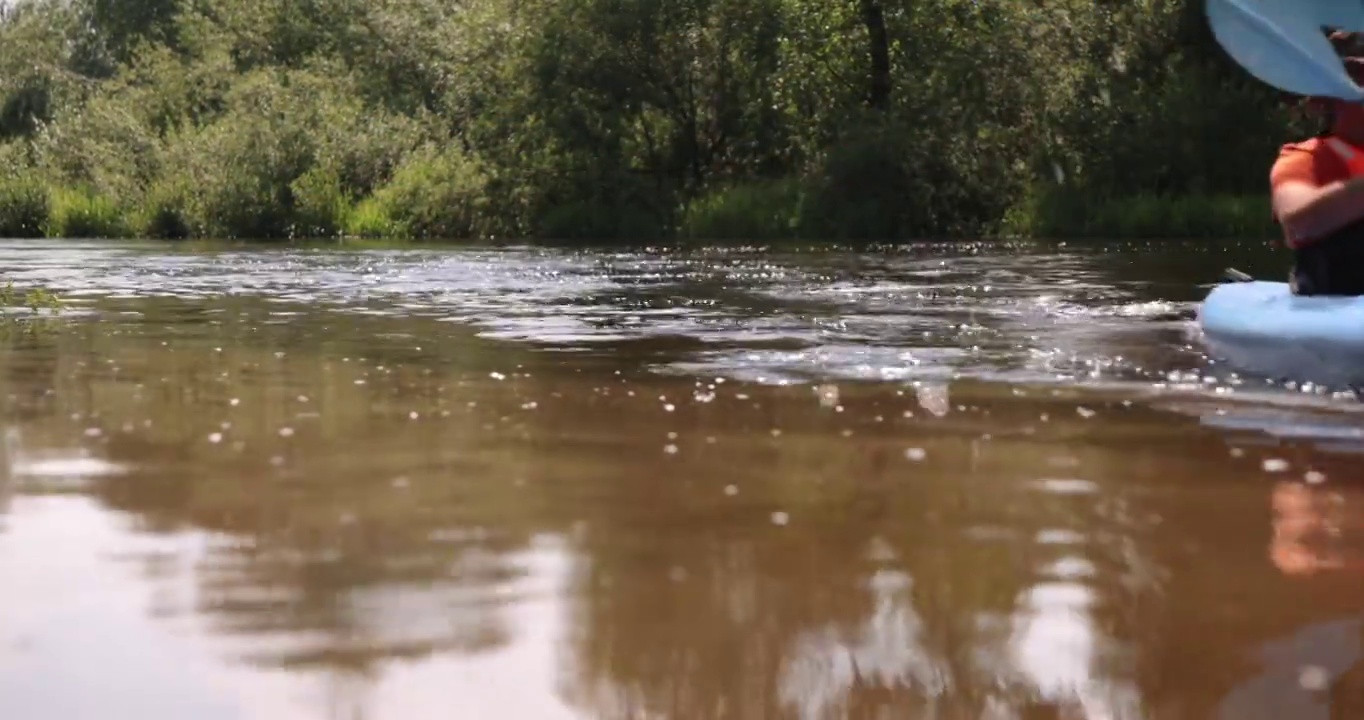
633, 119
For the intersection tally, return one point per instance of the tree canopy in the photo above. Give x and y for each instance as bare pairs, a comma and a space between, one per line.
605, 119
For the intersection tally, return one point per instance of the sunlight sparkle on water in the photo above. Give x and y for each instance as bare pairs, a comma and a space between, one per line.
1021, 487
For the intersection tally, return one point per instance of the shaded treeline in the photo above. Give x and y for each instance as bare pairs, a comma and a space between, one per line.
634, 119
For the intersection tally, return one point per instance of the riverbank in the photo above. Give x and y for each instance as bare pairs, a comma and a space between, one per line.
780, 210
765, 212
1074, 216
593, 122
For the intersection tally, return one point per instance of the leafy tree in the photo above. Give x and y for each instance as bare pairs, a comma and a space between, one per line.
601, 119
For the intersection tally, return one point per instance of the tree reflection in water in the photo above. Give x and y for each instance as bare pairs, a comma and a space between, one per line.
369, 508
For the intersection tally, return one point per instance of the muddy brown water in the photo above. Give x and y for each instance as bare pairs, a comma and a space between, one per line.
981, 481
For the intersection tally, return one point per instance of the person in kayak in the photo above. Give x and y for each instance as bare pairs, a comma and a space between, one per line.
1317, 190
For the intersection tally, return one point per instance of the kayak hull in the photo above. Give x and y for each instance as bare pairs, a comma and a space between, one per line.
1263, 328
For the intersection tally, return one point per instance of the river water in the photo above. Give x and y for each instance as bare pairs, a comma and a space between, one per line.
985, 481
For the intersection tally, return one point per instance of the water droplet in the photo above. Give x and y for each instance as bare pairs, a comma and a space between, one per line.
497, 376
670, 449
234, 402
933, 397
1274, 465
731, 490
1314, 478
413, 415
1085, 412
916, 454
669, 407
215, 438
780, 518
1314, 678
1065, 486
286, 432
828, 395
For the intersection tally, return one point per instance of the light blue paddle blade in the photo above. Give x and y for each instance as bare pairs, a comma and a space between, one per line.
1339, 14
1280, 44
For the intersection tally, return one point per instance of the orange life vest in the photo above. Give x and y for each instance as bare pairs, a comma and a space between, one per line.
1332, 160
1352, 156
1333, 264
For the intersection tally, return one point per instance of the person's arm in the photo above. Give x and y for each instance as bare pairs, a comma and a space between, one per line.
1306, 209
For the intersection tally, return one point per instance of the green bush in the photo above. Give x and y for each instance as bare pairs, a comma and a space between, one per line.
163, 213
321, 207
242, 167
437, 194
862, 190
1068, 213
764, 210
25, 206
369, 220
83, 214
101, 148
625, 219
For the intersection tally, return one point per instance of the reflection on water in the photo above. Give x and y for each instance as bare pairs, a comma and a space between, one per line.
885, 651
531, 484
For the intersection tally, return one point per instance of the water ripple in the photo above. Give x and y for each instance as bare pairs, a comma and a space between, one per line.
919, 312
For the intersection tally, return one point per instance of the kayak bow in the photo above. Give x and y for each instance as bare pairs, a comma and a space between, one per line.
1261, 327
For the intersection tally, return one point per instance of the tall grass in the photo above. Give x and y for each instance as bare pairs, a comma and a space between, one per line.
83, 214
769, 210
369, 220
24, 207
439, 199
1070, 214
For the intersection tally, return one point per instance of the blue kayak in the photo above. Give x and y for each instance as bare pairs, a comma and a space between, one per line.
1263, 328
